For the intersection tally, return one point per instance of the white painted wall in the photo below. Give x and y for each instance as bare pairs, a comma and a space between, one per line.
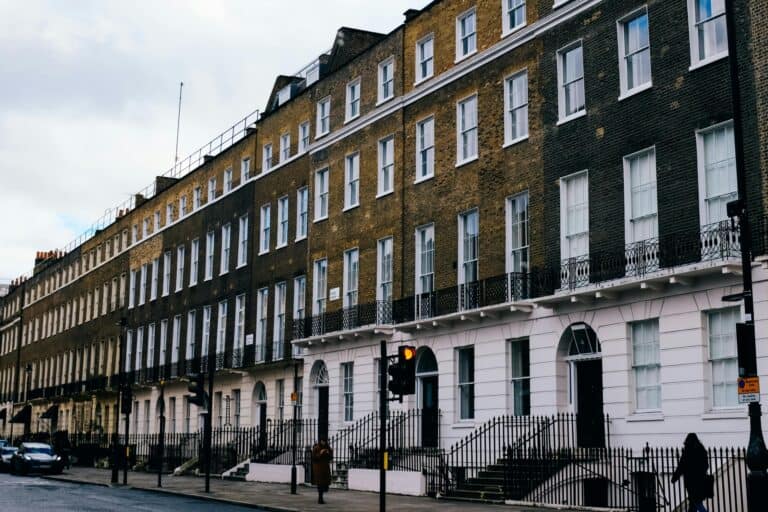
410, 483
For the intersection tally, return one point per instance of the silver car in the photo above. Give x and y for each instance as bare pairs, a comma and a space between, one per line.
35, 457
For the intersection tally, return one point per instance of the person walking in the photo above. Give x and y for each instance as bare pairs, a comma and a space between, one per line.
693, 467
322, 454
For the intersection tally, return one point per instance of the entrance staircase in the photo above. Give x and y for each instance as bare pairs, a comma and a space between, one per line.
508, 457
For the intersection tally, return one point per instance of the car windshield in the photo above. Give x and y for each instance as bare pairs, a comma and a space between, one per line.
39, 449
5, 450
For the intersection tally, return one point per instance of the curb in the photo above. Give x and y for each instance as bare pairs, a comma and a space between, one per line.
169, 492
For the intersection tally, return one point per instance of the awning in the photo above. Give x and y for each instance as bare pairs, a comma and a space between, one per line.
23, 416
51, 414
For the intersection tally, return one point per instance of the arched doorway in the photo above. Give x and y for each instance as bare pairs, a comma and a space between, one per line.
581, 350
320, 380
159, 413
427, 380
259, 413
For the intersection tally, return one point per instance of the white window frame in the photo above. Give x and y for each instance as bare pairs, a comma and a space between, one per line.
352, 180
563, 116
285, 147
323, 121
212, 189
511, 83
194, 261
266, 158
460, 384
644, 335
282, 221
564, 252
628, 189
704, 217
221, 327
226, 246
386, 80
142, 286
262, 305
304, 137
176, 339
519, 376
205, 337
429, 229
189, 351
696, 60
319, 286
180, 254
239, 342
521, 245
384, 269
265, 228
723, 361
210, 248
182, 206
422, 58
166, 273
463, 217
245, 170
621, 27
425, 149
460, 36
386, 174
279, 322
242, 241
351, 277
347, 390
507, 8
322, 194
302, 213
228, 180
197, 198
353, 100
466, 134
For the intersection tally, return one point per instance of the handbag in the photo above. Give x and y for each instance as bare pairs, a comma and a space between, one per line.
709, 486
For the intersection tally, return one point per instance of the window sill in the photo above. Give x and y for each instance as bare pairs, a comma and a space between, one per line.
422, 80
382, 101
385, 194
350, 119
709, 60
514, 142
560, 3
299, 239
223, 273
465, 162
467, 424
321, 135
350, 207
281, 246
319, 219
262, 253
725, 413
570, 118
628, 94
192, 285
238, 267
507, 31
639, 416
423, 179
460, 58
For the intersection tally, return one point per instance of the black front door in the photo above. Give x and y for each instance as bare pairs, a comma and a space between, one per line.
322, 413
589, 388
262, 426
429, 412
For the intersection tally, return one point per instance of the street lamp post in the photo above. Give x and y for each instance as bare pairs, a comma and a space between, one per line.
295, 400
28, 371
115, 433
161, 447
757, 456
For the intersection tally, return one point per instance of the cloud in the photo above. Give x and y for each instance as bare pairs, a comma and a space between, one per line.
88, 94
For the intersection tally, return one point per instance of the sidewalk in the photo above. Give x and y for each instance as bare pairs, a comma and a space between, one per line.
276, 497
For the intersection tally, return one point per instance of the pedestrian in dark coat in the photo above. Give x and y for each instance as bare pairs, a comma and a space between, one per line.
693, 467
322, 454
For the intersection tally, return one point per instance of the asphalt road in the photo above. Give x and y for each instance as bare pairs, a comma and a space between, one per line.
31, 494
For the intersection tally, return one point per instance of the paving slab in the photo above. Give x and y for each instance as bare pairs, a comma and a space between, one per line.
276, 497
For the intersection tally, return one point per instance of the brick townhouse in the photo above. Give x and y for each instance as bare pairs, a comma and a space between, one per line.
530, 192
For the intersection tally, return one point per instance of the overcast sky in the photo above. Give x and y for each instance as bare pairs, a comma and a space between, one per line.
89, 92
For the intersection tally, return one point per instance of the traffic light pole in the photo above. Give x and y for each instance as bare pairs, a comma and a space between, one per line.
757, 456
383, 398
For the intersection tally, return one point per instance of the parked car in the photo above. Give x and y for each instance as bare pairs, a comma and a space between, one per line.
35, 457
6, 452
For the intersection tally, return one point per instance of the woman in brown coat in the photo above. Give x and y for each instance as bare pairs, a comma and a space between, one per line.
322, 454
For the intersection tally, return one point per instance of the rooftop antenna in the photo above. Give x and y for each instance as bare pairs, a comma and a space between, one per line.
178, 124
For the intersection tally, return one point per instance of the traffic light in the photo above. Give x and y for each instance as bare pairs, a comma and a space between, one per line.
197, 389
403, 372
126, 400
406, 358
